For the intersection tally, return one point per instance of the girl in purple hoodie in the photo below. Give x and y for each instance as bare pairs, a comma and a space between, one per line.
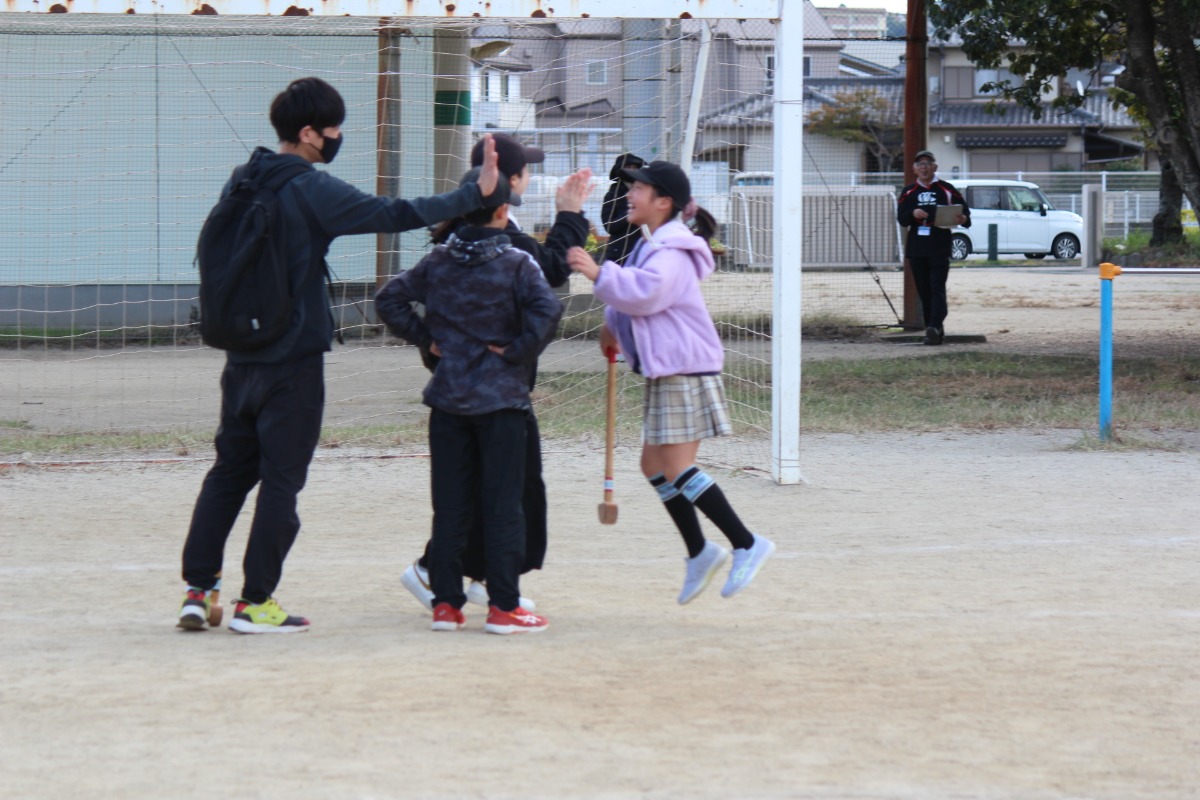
656, 316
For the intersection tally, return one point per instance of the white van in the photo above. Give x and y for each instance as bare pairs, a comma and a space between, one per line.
1026, 222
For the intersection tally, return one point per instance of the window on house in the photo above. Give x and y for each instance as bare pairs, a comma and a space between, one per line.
770, 73
504, 95
597, 73
808, 66
984, 76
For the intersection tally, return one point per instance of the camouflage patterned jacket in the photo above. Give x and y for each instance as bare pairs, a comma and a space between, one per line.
477, 290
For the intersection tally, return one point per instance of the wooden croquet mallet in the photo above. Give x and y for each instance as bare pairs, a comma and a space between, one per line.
608, 509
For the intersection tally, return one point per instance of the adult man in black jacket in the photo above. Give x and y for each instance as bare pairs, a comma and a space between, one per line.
272, 399
927, 246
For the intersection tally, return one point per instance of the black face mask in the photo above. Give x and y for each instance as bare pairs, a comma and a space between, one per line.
329, 149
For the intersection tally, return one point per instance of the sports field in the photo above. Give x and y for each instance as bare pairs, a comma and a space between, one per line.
949, 615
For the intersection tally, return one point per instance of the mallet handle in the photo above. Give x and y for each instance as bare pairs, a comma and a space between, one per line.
610, 425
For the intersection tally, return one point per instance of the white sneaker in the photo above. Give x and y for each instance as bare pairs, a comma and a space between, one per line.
477, 593
700, 570
416, 580
746, 564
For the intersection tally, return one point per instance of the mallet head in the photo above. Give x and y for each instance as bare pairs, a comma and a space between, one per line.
607, 512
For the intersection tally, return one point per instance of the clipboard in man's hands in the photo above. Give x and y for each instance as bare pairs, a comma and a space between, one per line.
947, 216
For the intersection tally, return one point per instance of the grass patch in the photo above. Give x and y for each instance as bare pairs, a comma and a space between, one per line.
17, 441
412, 434
948, 391
20, 439
835, 327
982, 391
1122, 443
954, 391
1135, 250
572, 404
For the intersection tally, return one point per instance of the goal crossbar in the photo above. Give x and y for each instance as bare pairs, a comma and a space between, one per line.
439, 9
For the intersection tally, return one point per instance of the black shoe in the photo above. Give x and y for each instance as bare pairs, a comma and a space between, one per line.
933, 336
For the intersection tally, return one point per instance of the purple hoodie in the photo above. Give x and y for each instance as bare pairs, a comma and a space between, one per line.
655, 307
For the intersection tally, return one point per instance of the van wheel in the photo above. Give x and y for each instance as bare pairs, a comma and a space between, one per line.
1035, 256
960, 247
1065, 246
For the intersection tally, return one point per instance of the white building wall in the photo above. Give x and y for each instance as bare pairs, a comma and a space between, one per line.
119, 163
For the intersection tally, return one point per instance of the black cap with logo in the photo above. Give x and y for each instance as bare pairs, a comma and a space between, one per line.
669, 179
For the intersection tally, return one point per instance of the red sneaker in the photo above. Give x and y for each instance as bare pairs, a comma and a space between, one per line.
516, 621
448, 618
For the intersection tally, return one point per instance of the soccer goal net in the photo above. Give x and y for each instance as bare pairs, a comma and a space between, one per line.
121, 129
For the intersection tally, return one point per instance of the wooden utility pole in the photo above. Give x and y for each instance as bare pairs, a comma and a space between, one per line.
387, 116
916, 115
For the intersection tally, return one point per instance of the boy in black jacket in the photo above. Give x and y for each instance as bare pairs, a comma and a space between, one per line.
927, 246
570, 229
488, 314
272, 399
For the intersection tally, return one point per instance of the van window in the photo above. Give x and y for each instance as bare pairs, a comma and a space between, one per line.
754, 180
983, 197
1023, 199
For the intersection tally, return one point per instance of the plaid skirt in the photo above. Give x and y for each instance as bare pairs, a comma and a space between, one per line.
684, 408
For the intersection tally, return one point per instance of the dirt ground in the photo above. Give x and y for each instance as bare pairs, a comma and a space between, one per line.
948, 615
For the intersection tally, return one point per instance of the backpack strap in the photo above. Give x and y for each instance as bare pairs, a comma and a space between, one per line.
275, 180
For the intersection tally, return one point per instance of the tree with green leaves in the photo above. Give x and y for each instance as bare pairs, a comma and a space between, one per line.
1038, 41
866, 117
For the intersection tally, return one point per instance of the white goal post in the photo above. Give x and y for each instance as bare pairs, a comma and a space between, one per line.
787, 140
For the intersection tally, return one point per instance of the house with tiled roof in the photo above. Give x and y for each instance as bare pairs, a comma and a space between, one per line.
973, 134
968, 130
741, 133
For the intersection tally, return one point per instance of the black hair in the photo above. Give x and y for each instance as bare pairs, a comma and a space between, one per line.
480, 216
703, 224
441, 233
306, 101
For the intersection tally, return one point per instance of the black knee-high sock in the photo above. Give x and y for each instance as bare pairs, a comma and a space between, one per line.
702, 492
682, 514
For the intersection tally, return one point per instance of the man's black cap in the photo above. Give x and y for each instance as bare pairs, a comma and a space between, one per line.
924, 154
513, 156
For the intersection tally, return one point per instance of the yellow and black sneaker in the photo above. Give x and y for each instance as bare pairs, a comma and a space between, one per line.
201, 608
265, 617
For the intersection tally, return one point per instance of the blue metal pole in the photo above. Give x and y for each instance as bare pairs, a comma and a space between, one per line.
1107, 273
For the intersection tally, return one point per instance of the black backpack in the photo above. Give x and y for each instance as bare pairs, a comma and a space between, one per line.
246, 298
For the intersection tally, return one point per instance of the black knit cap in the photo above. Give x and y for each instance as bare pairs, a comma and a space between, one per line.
669, 179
